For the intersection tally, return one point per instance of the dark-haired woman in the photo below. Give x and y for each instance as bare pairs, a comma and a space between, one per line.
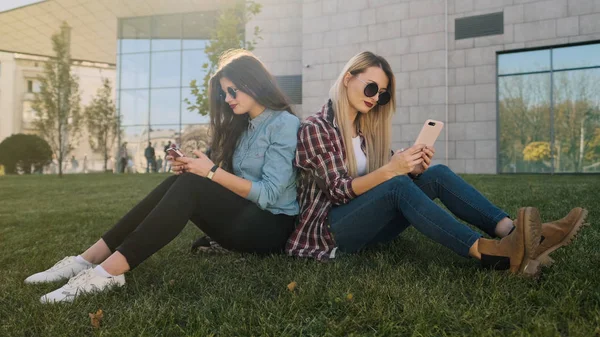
244, 198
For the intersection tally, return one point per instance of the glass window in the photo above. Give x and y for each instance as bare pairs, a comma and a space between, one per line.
135, 139
135, 71
195, 44
191, 117
160, 135
576, 57
197, 29
135, 35
164, 106
514, 63
192, 66
117, 73
166, 69
524, 107
194, 137
134, 107
166, 32
577, 121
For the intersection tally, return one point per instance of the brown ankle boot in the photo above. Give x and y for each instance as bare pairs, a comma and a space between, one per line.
558, 234
515, 251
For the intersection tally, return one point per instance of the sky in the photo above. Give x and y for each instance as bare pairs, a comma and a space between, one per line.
6, 5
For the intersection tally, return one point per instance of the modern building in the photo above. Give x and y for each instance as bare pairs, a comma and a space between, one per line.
516, 82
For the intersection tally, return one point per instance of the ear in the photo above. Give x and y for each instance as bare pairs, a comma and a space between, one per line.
347, 78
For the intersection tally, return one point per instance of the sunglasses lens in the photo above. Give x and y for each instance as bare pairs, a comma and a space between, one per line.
232, 92
371, 89
222, 94
384, 98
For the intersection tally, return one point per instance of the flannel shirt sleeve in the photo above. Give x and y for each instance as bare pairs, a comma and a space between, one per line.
316, 153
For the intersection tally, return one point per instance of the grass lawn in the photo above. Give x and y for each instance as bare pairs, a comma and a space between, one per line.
409, 287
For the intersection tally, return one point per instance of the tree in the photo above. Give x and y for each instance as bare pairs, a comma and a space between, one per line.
24, 153
577, 117
229, 33
537, 151
524, 117
57, 104
102, 121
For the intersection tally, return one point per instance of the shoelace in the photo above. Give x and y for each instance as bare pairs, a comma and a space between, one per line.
81, 278
61, 263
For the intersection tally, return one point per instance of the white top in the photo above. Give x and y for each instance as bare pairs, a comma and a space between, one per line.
361, 158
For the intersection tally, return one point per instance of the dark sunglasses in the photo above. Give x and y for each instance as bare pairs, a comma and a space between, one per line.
371, 89
232, 92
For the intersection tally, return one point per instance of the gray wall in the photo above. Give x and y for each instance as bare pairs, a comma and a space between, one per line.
411, 35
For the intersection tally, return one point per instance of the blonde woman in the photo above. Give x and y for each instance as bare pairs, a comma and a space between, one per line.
354, 193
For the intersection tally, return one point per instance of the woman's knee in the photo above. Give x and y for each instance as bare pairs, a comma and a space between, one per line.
439, 170
401, 180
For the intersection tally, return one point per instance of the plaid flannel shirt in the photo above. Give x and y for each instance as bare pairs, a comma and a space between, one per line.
324, 182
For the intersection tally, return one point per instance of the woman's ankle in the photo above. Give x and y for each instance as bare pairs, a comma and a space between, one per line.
474, 250
504, 227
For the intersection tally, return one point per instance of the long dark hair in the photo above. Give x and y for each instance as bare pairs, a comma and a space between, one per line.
251, 77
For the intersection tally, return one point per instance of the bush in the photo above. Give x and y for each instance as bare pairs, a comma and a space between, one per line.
22, 152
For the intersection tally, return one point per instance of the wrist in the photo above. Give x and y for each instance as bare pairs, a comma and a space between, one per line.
387, 172
212, 171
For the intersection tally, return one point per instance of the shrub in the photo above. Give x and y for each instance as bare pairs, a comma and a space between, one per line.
27, 153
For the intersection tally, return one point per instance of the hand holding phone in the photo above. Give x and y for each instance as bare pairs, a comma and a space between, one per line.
175, 152
430, 132
404, 161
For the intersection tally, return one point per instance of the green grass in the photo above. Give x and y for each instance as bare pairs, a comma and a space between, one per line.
409, 287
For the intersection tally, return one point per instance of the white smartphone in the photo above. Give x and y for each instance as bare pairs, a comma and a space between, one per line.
430, 132
175, 152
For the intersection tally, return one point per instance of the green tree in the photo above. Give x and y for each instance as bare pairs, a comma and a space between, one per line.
524, 117
102, 121
57, 104
229, 33
25, 153
577, 117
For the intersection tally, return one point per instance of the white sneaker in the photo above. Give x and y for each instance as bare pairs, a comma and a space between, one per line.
63, 269
87, 281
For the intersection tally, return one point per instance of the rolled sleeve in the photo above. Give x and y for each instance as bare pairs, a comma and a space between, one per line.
278, 171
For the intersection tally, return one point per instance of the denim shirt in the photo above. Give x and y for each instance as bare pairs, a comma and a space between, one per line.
264, 156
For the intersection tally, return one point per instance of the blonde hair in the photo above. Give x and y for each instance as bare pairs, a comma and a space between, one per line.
375, 125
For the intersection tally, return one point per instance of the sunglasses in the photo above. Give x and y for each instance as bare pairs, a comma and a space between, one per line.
232, 92
371, 89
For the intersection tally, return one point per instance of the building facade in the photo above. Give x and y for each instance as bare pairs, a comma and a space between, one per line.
18, 84
516, 82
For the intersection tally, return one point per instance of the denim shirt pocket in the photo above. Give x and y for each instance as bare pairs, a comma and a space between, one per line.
254, 161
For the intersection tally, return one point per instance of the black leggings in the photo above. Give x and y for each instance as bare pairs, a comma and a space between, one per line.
235, 223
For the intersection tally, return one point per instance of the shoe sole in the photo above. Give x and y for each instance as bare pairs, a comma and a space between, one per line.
71, 298
544, 258
530, 222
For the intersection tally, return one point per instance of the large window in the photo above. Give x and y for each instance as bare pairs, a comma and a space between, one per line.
157, 58
549, 110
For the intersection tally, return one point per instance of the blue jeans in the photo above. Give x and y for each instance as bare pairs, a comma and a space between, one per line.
383, 212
